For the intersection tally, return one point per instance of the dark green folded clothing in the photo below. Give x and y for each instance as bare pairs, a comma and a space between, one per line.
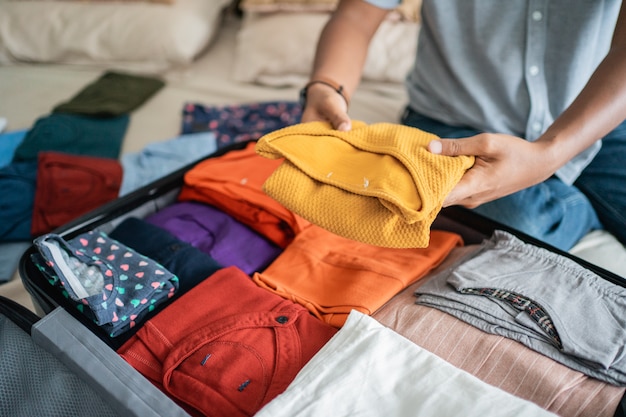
74, 134
112, 94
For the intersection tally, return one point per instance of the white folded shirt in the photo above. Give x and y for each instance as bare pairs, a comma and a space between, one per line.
367, 369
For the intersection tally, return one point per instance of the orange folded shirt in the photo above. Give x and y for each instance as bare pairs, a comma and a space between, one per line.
232, 183
331, 275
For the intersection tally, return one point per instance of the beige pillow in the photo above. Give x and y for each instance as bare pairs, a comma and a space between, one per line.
117, 1
288, 5
278, 49
410, 10
147, 1
138, 35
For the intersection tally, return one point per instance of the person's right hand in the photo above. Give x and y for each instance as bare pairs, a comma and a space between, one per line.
323, 103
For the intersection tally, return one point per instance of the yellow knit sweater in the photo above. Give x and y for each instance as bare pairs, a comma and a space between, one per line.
376, 184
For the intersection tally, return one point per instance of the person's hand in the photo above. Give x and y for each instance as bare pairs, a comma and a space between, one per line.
504, 164
325, 104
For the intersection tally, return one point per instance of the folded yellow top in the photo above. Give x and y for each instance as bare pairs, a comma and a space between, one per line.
376, 184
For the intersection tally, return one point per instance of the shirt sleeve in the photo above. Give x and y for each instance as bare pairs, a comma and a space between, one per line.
384, 4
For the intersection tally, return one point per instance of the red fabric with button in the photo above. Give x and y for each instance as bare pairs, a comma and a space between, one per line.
227, 347
69, 186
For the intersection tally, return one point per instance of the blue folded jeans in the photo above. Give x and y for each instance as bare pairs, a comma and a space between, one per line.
188, 263
552, 211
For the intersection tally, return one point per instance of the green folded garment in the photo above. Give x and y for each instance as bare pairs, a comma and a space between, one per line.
112, 94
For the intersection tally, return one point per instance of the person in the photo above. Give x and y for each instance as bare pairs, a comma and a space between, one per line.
535, 90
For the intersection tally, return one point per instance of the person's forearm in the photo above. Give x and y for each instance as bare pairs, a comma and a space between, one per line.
343, 44
598, 109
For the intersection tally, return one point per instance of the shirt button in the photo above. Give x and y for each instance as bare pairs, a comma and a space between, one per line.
533, 70
536, 126
282, 319
537, 15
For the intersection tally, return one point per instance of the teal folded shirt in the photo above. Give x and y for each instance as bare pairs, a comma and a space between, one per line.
74, 134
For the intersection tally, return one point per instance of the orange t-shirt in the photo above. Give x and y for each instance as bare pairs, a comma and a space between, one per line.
331, 275
232, 183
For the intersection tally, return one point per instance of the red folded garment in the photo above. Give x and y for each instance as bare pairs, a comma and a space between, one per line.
227, 347
69, 186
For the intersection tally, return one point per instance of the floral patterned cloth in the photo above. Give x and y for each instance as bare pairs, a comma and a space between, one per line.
241, 122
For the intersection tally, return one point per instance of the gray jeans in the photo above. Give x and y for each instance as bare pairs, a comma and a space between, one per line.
539, 298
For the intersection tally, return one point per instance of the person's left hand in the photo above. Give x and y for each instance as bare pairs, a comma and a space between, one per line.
504, 164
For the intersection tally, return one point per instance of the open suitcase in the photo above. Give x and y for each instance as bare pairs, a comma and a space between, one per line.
150, 199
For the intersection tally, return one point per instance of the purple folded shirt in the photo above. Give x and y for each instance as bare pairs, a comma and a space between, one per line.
216, 233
